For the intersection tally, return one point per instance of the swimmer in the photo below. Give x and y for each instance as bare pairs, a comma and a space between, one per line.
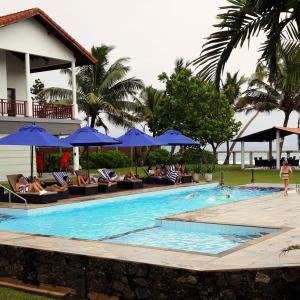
192, 195
226, 196
211, 199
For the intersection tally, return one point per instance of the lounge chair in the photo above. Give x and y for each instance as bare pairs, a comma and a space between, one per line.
31, 197
122, 184
150, 179
103, 187
83, 190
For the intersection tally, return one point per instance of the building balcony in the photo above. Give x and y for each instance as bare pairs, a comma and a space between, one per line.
18, 108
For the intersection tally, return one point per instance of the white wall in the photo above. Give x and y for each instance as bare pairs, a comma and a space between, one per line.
14, 160
29, 36
3, 76
16, 78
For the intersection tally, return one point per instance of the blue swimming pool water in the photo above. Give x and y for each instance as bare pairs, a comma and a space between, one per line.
101, 219
193, 236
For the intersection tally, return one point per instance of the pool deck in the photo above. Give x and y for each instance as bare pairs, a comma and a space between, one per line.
266, 211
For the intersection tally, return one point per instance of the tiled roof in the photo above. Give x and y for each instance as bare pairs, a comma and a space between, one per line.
83, 56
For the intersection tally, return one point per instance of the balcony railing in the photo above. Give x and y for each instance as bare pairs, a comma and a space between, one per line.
17, 108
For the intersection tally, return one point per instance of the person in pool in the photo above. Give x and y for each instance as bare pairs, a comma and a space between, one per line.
192, 195
285, 175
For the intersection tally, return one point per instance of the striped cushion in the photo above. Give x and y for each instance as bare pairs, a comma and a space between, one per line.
172, 174
104, 173
59, 176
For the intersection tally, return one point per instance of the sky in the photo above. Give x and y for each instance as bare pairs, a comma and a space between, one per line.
153, 33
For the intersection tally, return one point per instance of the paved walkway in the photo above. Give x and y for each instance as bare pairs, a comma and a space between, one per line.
269, 211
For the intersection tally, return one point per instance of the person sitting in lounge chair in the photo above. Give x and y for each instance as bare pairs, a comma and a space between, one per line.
180, 172
83, 180
157, 172
130, 176
23, 186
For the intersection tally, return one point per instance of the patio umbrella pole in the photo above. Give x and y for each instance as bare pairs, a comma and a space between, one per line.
31, 162
136, 160
88, 163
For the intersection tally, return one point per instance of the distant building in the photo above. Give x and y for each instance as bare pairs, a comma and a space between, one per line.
30, 42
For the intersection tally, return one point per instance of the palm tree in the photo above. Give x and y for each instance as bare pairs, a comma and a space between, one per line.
103, 90
231, 87
149, 99
283, 93
242, 20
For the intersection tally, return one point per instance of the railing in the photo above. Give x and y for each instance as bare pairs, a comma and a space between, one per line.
13, 108
51, 111
10, 192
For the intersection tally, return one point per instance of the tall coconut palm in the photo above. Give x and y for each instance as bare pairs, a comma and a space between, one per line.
149, 99
239, 22
103, 90
282, 94
231, 87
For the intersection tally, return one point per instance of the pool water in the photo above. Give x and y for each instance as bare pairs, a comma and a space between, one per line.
193, 236
101, 219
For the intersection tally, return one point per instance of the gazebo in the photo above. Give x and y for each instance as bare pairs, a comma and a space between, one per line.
267, 135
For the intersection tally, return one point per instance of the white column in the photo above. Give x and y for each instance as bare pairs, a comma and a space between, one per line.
3, 75
74, 113
27, 76
277, 149
74, 90
243, 155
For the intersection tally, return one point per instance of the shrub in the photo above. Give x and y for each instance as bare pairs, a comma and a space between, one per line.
157, 156
198, 156
111, 160
52, 162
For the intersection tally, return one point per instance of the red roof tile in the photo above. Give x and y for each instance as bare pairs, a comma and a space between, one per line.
83, 57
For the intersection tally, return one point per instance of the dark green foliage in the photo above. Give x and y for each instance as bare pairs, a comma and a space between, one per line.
111, 160
195, 108
52, 162
36, 89
198, 156
158, 156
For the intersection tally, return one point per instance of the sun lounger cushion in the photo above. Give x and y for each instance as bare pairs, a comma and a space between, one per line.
59, 176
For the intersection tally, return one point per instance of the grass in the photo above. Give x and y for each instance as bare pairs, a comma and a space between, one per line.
10, 294
233, 175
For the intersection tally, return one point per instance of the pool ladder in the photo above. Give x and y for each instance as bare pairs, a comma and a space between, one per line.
10, 192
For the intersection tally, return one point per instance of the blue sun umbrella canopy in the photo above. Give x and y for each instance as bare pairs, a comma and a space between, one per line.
175, 138
87, 136
33, 135
136, 138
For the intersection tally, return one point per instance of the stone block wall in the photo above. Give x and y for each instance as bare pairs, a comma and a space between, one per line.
99, 278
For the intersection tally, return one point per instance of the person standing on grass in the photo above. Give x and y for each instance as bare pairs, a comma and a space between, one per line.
285, 175
40, 163
64, 161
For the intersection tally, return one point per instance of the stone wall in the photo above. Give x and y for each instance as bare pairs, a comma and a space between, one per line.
99, 278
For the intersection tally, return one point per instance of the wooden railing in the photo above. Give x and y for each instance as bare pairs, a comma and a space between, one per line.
13, 108
51, 111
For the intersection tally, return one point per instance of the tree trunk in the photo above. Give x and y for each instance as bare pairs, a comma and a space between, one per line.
285, 123
226, 161
214, 151
93, 121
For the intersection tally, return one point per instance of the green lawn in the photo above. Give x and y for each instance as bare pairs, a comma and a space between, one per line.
10, 294
233, 175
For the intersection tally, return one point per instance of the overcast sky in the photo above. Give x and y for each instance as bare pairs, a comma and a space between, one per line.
153, 33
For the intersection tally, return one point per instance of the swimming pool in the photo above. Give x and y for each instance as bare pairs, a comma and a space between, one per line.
101, 219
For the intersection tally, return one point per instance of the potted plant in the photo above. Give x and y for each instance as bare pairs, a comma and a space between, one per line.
196, 172
208, 172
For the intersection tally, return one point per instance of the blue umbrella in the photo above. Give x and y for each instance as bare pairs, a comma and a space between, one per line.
33, 135
88, 136
174, 138
136, 138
